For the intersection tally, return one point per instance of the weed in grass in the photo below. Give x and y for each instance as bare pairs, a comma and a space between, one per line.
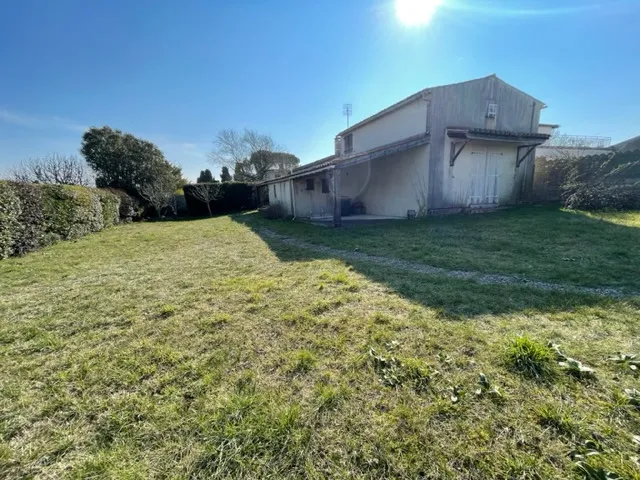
558, 418
633, 397
301, 361
529, 357
214, 322
166, 310
381, 318
626, 361
395, 372
329, 397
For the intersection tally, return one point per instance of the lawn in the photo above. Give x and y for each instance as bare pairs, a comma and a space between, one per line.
201, 349
537, 242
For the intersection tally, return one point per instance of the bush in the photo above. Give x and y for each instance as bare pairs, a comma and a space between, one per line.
71, 211
272, 211
110, 203
9, 219
31, 233
234, 197
130, 207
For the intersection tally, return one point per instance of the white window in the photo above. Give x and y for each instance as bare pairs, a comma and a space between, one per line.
348, 143
492, 110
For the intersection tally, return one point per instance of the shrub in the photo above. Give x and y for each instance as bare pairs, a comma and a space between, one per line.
234, 197
31, 232
583, 196
130, 207
604, 182
9, 219
529, 357
272, 211
71, 211
110, 203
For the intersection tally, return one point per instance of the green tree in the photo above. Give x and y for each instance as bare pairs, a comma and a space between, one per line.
205, 177
121, 160
225, 176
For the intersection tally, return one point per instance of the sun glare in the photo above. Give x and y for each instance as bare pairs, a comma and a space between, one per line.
416, 12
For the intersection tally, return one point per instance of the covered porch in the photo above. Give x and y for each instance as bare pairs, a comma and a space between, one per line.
367, 187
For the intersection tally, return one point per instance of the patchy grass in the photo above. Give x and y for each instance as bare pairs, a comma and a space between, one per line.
543, 243
201, 350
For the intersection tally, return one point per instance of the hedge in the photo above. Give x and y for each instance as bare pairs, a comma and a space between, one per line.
31, 234
234, 197
605, 181
130, 207
9, 215
35, 215
71, 211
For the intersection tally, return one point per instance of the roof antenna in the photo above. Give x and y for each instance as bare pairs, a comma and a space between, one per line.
346, 111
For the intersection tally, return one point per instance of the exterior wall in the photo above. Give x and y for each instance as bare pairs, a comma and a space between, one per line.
411, 119
387, 186
281, 193
395, 182
465, 105
458, 180
312, 203
546, 129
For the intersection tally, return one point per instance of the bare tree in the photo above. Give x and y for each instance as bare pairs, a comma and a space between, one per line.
206, 193
159, 192
54, 168
250, 154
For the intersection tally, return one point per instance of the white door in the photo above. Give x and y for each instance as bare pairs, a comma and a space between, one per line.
484, 176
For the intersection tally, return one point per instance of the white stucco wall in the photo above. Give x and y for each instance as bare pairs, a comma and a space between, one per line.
394, 182
458, 180
408, 120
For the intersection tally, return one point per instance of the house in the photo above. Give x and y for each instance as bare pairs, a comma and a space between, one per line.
442, 149
570, 146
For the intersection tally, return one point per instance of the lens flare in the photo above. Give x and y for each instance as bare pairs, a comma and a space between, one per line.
416, 12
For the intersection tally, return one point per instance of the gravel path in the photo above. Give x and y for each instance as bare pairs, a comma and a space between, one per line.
483, 278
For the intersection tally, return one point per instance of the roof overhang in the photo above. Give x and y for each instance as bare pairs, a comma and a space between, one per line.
355, 158
485, 134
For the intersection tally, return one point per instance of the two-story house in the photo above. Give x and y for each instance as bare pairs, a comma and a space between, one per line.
443, 149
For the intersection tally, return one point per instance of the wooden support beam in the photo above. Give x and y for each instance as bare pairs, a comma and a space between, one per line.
520, 158
337, 206
455, 153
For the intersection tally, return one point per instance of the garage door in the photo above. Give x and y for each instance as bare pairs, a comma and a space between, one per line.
484, 176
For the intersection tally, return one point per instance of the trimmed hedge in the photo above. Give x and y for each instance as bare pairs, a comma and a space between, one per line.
130, 207
9, 215
71, 211
31, 233
234, 197
35, 215
110, 208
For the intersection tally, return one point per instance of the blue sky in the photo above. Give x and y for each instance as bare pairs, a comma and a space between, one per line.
176, 72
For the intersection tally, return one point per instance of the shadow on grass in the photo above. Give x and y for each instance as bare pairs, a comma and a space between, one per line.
454, 298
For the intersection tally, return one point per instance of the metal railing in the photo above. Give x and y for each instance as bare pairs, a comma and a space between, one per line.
584, 141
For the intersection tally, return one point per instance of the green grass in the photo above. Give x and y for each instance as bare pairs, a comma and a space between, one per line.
542, 243
199, 349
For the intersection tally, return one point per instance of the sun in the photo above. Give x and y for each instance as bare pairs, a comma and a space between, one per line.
416, 12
